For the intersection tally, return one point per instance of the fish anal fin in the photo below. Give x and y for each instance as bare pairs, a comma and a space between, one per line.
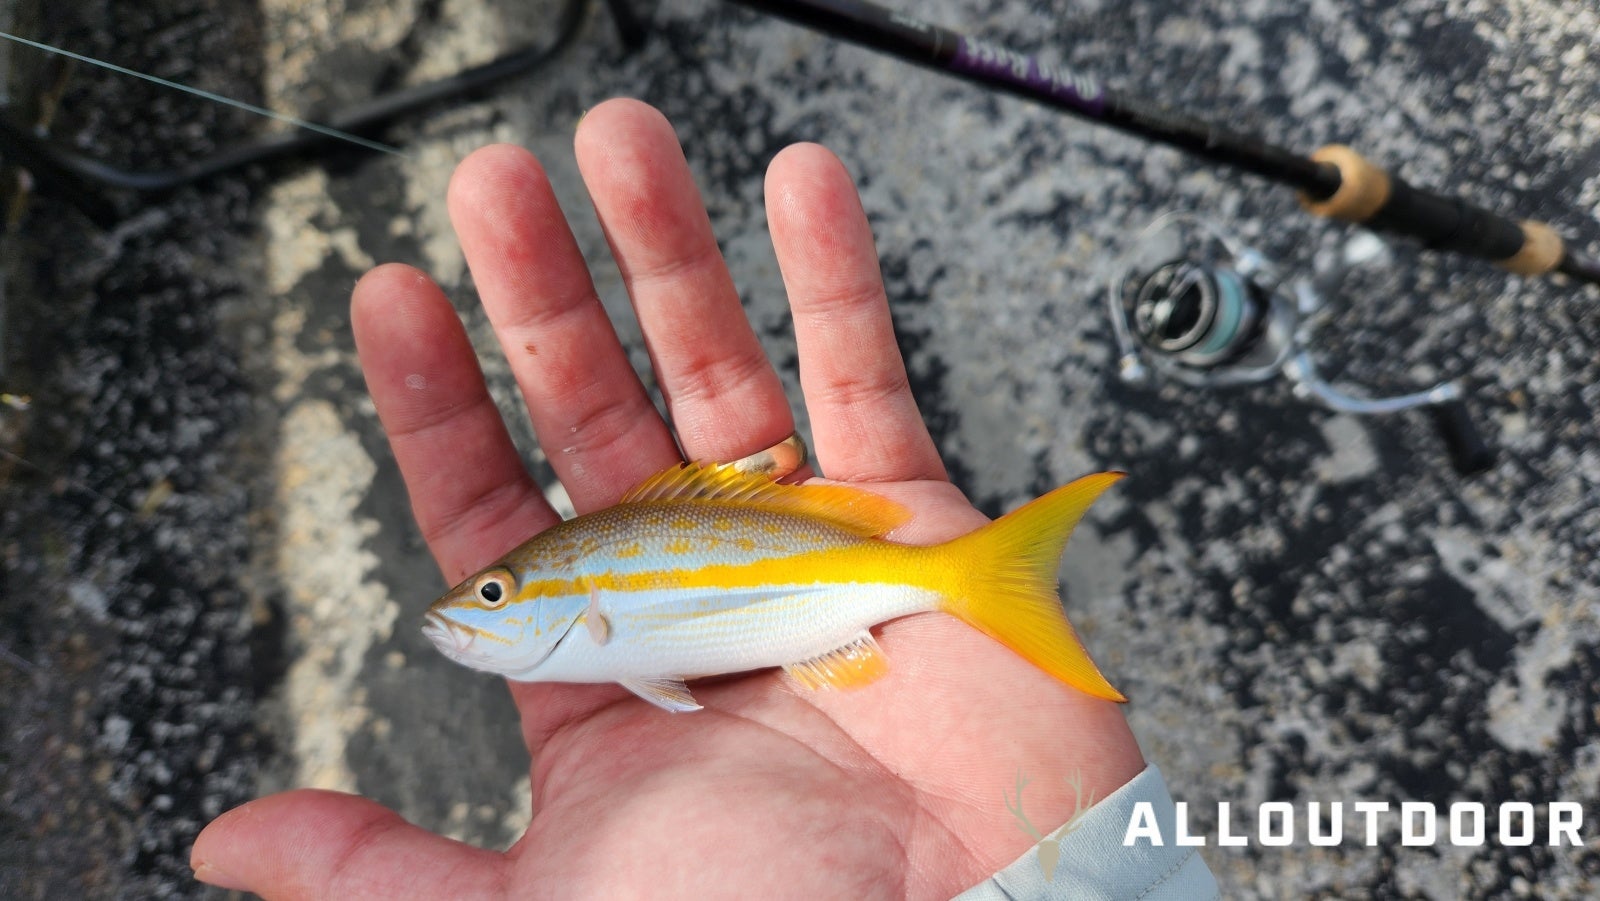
856, 664
852, 509
668, 693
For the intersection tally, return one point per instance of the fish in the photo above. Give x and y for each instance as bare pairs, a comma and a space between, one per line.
704, 570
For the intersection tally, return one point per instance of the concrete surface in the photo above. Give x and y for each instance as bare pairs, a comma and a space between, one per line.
212, 585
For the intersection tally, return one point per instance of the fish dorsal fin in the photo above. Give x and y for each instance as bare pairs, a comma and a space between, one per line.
852, 509
857, 663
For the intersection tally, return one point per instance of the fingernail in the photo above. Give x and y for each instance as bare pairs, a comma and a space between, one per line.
220, 878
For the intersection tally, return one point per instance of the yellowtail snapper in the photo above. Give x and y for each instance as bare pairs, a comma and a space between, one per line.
702, 570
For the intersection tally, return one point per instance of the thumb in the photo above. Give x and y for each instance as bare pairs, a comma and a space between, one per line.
322, 844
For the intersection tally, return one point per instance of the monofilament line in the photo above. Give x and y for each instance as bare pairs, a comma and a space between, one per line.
239, 104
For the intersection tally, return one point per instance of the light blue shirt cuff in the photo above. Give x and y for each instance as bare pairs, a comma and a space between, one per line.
1094, 864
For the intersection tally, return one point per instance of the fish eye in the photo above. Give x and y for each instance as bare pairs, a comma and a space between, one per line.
493, 589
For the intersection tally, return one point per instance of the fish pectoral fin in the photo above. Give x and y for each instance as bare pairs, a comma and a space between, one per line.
856, 664
599, 627
667, 693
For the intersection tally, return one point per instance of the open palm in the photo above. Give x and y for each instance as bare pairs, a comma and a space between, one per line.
893, 790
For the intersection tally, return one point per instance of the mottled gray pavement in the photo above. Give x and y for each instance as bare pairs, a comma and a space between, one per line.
212, 585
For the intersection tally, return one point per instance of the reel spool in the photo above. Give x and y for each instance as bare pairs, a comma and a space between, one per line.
1201, 316
1191, 304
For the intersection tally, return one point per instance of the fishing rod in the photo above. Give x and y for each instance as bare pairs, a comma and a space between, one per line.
1334, 182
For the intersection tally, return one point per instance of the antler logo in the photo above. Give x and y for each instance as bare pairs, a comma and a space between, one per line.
1050, 844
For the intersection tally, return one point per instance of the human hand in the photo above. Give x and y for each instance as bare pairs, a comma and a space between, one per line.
895, 789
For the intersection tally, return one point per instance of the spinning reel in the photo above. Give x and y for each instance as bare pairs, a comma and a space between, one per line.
1191, 304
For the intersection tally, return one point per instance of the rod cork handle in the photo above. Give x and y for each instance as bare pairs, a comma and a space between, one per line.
1542, 250
1363, 187
1369, 196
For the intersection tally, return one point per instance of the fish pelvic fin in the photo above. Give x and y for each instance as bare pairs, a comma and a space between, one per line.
667, 692
1010, 594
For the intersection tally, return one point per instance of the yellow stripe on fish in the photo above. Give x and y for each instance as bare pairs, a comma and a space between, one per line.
704, 570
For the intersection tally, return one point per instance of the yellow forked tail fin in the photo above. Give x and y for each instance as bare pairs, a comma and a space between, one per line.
1008, 591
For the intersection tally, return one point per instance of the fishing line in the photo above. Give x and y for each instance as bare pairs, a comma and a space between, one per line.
67, 481
21, 663
208, 95
58, 163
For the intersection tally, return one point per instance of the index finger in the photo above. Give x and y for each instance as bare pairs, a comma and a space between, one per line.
472, 497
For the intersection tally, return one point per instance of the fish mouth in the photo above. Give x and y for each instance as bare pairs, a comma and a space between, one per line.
450, 637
